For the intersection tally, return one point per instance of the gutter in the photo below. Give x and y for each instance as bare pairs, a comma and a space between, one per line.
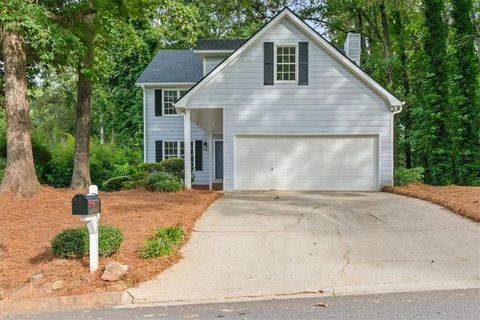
394, 110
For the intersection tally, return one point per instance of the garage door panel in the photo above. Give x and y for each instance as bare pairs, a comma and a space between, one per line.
306, 163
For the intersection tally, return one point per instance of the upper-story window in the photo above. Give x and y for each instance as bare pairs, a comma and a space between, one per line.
169, 98
286, 63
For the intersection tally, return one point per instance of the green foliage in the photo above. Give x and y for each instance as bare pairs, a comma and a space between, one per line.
150, 167
58, 172
162, 242
404, 176
109, 240
174, 167
106, 161
73, 243
125, 182
3, 163
162, 181
465, 100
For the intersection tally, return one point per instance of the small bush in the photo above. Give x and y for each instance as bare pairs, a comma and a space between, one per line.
162, 242
115, 184
73, 243
109, 240
404, 176
150, 167
174, 167
124, 182
161, 181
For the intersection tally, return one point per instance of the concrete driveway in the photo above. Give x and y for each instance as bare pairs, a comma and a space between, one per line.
266, 244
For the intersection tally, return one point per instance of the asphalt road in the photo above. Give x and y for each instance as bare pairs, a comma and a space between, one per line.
450, 304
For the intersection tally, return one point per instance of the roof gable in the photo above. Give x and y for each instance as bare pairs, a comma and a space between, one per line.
327, 46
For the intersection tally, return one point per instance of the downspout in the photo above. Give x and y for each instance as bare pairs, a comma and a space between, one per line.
187, 150
144, 125
394, 110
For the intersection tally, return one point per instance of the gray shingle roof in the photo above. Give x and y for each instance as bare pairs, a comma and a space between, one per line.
173, 66
219, 44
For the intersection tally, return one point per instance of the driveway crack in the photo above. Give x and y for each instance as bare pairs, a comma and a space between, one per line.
302, 216
346, 255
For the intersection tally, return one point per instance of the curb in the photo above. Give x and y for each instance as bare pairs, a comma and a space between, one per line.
70, 302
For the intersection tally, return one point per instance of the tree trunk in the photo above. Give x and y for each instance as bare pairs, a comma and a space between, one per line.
20, 177
81, 160
386, 45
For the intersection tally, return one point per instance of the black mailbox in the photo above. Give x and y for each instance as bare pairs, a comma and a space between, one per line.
85, 204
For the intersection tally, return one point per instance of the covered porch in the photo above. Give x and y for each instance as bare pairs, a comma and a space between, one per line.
209, 120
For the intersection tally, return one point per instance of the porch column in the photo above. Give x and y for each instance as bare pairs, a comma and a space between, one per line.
187, 149
210, 162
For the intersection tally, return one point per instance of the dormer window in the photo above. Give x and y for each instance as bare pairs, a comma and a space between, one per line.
286, 63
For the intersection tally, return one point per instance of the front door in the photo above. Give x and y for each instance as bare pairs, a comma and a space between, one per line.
218, 160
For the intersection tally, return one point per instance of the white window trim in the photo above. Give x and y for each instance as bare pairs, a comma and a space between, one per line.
275, 62
178, 97
179, 155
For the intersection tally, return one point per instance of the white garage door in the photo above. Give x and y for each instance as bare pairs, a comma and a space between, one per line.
306, 163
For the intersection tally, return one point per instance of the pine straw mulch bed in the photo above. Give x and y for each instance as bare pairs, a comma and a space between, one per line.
29, 224
462, 200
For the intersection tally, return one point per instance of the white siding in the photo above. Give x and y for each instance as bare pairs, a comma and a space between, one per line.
211, 62
335, 101
170, 128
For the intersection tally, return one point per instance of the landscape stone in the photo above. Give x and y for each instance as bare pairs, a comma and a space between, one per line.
114, 271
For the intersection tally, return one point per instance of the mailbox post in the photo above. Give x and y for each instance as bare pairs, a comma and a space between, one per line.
87, 206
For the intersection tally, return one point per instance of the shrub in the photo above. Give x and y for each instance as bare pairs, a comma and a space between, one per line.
124, 182
58, 172
106, 161
174, 167
150, 167
73, 243
162, 242
109, 240
404, 176
161, 181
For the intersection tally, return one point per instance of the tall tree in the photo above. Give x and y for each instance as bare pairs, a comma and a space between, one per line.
81, 163
465, 103
436, 152
20, 176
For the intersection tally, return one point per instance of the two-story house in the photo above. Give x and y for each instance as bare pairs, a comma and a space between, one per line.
282, 110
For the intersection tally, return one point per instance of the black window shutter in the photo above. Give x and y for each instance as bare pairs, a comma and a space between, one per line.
158, 103
303, 63
158, 150
198, 155
268, 63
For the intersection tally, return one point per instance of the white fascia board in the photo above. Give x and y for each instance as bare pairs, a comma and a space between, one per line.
213, 52
164, 84
389, 97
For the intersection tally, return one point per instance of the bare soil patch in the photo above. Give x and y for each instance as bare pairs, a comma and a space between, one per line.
462, 200
29, 224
